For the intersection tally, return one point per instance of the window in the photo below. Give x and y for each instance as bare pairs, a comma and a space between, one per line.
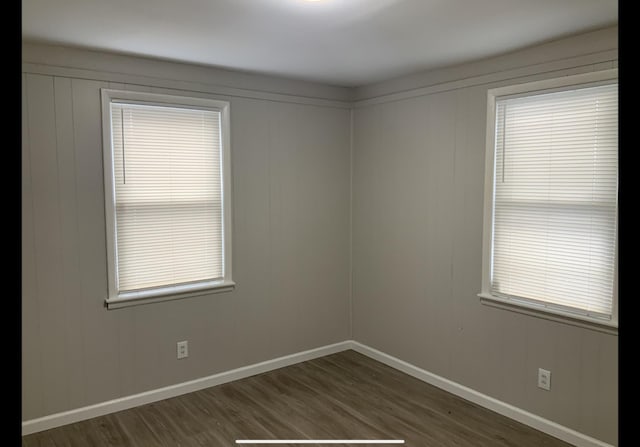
551, 203
166, 166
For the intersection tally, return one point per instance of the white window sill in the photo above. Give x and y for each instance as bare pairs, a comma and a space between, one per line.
601, 325
128, 299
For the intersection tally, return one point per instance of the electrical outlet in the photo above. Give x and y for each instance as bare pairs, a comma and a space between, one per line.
183, 349
544, 379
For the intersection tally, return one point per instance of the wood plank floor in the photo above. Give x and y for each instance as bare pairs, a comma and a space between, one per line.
340, 396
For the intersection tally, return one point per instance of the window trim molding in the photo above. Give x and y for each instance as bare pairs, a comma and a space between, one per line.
115, 299
547, 85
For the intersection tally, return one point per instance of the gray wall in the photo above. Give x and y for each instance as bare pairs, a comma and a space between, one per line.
418, 176
416, 209
291, 179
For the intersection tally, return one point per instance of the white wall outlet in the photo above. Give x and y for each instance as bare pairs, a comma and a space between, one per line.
183, 349
544, 379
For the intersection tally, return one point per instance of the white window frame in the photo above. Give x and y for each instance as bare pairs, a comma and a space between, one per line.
542, 310
115, 298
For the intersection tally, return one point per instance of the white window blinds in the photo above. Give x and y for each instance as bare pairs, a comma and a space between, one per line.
168, 195
555, 199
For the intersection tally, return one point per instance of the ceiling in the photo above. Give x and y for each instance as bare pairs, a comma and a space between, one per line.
338, 42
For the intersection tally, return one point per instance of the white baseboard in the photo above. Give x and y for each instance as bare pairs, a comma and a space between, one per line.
124, 403
539, 423
544, 425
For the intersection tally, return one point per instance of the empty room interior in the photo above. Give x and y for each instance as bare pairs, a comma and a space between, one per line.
319, 222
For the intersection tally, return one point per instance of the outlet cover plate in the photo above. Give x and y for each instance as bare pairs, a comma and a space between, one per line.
183, 349
544, 379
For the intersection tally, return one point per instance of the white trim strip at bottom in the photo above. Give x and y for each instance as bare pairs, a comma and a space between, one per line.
124, 403
319, 441
539, 423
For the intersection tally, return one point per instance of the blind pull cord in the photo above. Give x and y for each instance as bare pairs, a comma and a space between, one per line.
124, 166
504, 138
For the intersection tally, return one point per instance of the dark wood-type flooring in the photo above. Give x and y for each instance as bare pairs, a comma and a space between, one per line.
340, 396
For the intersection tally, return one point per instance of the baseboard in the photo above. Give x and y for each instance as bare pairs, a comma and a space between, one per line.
544, 425
124, 403
539, 423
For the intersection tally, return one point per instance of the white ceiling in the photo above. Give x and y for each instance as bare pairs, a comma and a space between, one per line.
340, 42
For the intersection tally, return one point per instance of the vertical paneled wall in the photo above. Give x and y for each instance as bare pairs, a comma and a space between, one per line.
418, 182
290, 164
